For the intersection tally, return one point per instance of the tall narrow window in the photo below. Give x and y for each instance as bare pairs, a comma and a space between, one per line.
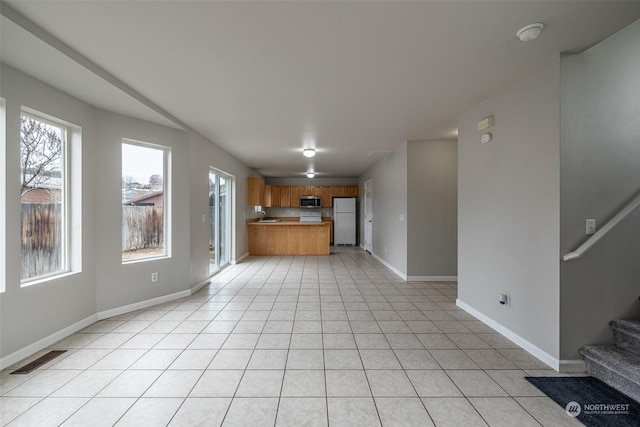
144, 201
43, 196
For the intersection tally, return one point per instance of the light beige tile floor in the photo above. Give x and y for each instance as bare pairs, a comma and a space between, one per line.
288, 341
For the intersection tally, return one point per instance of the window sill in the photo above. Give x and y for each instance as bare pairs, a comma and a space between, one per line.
46, 279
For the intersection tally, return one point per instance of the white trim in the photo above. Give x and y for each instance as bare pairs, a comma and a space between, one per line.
390, 267
432, 278
141, 304
362, 246
239, 260
45, 342
199, 286
572, 366
534, 350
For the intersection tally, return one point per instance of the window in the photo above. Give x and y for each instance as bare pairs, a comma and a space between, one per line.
145, 206
44, 197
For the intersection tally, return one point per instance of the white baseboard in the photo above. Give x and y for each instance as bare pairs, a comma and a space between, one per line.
572, 366
45, 342
534, 350
199, 286
432, 278
390, 267
239, 260
142, 304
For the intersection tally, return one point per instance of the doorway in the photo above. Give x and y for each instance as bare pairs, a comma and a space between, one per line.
368, 215
220, 201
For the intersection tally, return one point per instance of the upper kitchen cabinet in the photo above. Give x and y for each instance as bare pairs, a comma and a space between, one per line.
285, 196
296, 192
326, 197
271, 196
338, 191
255, 191
351, 191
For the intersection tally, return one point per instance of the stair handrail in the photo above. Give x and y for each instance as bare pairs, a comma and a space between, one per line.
603, 231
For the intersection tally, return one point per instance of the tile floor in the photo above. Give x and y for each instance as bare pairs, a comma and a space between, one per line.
288, 341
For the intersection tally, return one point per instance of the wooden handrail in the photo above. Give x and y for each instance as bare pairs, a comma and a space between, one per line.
604, 230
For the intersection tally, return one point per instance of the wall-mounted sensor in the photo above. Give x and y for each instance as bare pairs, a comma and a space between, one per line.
504, 299
486, 138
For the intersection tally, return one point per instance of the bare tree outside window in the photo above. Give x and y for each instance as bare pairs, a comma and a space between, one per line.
42, 147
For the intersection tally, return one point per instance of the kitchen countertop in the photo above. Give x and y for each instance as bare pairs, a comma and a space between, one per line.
288, 223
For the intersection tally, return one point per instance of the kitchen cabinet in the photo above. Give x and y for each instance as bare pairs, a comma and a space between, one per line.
316, 191
285, 196
338, 191
351, 191
271, 196
289, 238
306, 190
296, 192
326, 197
255, 191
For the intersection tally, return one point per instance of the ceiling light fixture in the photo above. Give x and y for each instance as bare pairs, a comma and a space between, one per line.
309, 152
530, 32
310, 174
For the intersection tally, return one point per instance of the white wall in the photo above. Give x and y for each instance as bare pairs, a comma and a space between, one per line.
32, 317
31, 313
432, 205
600, 164
389, 199
203, 155
508, 209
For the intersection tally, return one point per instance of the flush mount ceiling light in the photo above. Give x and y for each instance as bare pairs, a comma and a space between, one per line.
309, 152
310, 174
530, 32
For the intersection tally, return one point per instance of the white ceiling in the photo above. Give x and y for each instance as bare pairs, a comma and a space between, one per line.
257, 78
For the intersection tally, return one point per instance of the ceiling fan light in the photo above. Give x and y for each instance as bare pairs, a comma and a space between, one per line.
310, 174
309, 152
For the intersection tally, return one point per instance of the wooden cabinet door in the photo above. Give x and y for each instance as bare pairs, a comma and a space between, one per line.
306, 190
351, 191
275, 196
326, 197
255, 189
285, 197
316, 191
296, 192
338, 191
268, 196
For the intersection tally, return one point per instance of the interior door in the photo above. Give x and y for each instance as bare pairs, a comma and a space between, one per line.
368, 215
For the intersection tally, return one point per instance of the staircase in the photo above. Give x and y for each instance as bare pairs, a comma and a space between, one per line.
617, 365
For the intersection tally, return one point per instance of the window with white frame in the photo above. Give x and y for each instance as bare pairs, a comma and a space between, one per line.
145, 202
44, 198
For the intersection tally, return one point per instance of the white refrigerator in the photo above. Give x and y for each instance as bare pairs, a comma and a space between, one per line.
344, 221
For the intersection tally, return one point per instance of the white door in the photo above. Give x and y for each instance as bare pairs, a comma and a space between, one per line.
368, 215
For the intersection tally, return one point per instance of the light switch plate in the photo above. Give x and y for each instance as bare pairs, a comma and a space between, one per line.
590, 227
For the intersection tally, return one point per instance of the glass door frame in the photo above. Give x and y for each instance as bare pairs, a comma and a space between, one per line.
215, 227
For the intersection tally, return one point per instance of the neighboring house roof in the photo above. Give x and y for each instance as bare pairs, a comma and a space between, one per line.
144, 197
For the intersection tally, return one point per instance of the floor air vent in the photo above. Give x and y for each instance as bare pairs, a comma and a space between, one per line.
39, 362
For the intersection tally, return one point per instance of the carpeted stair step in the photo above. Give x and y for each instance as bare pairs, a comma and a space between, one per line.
626, 334
614, 366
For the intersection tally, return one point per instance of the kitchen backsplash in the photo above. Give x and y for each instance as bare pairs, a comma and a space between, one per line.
290, 212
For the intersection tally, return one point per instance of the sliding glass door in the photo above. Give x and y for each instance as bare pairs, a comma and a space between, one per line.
220, 188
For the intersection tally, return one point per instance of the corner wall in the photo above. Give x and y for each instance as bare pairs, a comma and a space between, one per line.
432, 206
600, 166
508, 211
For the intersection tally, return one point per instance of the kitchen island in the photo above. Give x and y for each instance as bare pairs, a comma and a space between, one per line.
288, 237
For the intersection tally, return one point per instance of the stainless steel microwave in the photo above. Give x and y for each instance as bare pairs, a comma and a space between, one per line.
310, 202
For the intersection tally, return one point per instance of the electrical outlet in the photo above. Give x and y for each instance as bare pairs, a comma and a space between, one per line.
590, 227
154, 276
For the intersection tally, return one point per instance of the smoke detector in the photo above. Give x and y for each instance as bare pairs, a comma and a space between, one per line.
530, 32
